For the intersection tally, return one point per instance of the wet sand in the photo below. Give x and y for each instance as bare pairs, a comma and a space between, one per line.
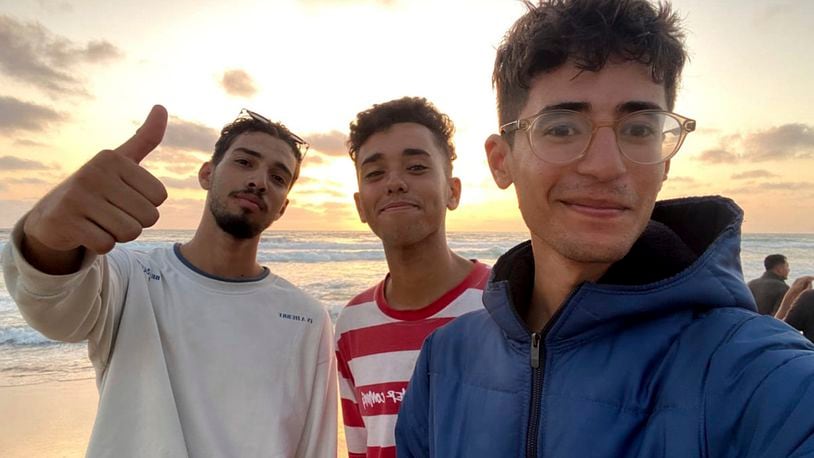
55, 419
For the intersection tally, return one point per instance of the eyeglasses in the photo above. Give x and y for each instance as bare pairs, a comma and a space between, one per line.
645, 137
300, 145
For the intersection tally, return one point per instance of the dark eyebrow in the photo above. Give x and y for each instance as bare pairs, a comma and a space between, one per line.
630, 107
624, 108
249, 152
573, 106
372, 158
407, 152
414, 152
276, 164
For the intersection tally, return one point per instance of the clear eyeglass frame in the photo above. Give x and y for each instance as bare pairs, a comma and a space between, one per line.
565, 149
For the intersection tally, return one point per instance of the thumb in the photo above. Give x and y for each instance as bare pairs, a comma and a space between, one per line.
147, 137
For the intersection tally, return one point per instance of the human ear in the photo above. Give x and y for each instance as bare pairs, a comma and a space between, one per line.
455, 192
497, 152
359, 208
205, 175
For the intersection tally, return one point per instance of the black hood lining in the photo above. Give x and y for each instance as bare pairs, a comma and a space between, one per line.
679, 232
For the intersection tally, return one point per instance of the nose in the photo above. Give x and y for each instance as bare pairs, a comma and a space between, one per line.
603, 159
257, 182
395, 183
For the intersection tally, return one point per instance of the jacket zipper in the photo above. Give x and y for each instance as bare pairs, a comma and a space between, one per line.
536, 393
538, 367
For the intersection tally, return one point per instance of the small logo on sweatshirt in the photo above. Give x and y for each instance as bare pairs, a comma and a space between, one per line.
148, 272
292, 317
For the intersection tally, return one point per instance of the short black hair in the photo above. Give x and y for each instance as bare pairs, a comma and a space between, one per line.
244, 124
774, 260
590, 33
418, 110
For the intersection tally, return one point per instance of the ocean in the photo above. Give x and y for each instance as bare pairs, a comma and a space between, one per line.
331, 266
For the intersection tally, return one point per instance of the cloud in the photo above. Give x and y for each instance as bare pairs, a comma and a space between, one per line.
784, 186
680, 183
188, 135
784, 142
9, 163
33, 55
707, 131
176, 161
27, 180
238, 83
778, 14
181, 183
55, 6
788, 141
184, 169
329, 143
717, 156
313, 159
12, 210
753, 174
28, 143
682, 179
19, 115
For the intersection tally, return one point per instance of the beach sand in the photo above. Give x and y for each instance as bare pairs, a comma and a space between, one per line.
55, 419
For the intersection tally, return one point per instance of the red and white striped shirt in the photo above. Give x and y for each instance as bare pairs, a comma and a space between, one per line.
376, 350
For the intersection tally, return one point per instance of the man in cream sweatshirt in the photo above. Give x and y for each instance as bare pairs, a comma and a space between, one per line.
198, 349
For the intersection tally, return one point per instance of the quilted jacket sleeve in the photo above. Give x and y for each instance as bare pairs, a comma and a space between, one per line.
759, 392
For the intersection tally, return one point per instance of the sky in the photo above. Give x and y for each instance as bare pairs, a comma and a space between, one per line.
77, 77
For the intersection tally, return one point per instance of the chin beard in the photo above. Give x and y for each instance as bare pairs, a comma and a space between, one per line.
238, 226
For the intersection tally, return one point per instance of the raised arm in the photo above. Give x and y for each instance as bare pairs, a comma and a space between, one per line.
109, 199
797, 287
50, 265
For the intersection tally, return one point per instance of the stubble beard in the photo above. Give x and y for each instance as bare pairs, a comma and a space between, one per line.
239, 226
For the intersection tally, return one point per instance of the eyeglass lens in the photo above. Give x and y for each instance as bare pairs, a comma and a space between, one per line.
643, 137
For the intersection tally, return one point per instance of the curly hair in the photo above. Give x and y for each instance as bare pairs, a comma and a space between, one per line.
406, 109
589, 33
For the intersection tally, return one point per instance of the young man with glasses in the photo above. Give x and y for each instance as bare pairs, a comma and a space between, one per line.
623, 327
198, 349
403, 152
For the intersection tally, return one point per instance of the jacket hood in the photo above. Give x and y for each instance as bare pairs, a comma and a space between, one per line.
688, 258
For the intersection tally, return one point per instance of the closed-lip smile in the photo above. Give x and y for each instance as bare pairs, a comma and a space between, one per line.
397, 205
596, 207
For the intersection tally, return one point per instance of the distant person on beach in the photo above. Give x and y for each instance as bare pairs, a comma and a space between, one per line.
770, 288
198, 349
624, 326
403, 153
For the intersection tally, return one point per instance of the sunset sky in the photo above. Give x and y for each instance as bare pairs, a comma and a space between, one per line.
79, 76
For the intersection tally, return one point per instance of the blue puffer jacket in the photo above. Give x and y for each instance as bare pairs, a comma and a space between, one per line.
663, 357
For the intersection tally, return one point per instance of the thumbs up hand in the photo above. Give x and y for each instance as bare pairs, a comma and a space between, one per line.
109, 199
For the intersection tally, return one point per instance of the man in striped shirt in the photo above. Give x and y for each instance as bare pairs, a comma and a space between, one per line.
403, 153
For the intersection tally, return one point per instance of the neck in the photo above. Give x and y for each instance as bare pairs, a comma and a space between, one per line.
215, 252
422, 272
555, 277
